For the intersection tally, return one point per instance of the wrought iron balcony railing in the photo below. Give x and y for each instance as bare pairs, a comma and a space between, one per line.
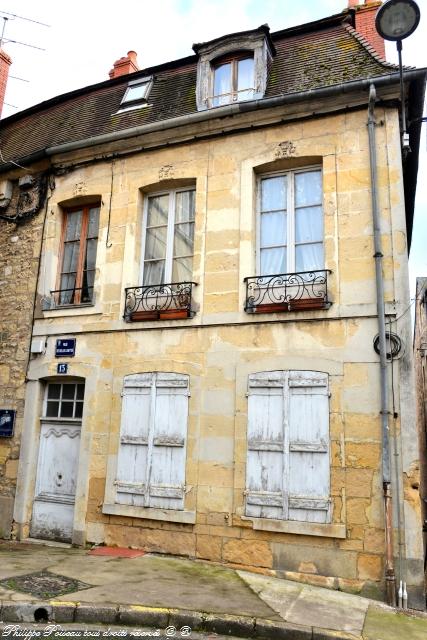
71, 297
287, 292
159, 302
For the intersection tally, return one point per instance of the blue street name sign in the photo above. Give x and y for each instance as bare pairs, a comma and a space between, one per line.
62, 367
65, 347
7, 422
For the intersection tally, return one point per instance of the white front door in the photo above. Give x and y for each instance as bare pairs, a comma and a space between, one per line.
53, 508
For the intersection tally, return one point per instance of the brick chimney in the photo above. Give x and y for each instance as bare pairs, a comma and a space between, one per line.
5, 62
125, 65
365, 23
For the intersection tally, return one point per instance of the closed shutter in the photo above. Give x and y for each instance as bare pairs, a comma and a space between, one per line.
308, 424
167, 478
288, 446
151, 460
265, 461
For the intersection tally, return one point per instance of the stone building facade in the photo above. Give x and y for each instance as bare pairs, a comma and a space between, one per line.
20, 238
207, 383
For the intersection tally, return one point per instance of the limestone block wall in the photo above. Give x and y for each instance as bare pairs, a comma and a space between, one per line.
221, 345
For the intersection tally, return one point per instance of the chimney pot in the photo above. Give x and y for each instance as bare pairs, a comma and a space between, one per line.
352, 3
123, 66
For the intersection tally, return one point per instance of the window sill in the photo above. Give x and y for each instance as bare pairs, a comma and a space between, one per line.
167, 515
302, 528
71, 310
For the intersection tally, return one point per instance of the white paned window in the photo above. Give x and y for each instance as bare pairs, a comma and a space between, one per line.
153, 433
288, 474
233, 80
168, 237
290, 222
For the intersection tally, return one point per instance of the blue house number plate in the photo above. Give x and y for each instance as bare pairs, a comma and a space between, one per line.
62, 367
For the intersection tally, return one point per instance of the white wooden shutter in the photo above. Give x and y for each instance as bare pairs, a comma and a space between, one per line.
265, 460
151, 460
308, 425
132, 468
167, 478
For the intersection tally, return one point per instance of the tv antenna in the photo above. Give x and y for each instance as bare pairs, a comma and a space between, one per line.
12, 16
6, 15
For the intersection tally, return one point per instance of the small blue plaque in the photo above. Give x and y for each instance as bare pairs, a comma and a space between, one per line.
65, 348
7, 422
62, 367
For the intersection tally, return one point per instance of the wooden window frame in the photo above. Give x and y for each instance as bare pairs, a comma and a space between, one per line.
290, 204
82, 253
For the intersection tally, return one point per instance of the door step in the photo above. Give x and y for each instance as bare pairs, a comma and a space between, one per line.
47, 543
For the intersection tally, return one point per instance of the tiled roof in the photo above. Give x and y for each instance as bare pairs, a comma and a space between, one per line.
308, 58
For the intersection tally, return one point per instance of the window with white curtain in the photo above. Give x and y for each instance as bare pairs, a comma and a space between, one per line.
168, 235
290, 222
233, 80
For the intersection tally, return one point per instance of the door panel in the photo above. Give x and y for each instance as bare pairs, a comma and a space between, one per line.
53, 510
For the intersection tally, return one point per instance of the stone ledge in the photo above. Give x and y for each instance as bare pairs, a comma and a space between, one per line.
303, 528
148, 513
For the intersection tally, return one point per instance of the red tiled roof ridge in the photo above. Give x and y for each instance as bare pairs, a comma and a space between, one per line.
373, 52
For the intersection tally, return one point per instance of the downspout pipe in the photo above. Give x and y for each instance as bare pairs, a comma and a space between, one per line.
390, 576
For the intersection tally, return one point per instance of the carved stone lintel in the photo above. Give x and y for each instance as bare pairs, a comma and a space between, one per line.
285, 149
167, 171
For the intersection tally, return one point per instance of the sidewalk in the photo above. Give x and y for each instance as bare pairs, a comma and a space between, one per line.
74, 585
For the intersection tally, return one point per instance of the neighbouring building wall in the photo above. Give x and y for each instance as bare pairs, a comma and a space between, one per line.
218, 349
420, 358
20, 244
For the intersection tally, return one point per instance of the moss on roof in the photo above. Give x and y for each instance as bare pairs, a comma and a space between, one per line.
305, 60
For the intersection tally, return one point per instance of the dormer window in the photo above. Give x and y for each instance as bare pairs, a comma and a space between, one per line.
233, 79
136, 93
233, 68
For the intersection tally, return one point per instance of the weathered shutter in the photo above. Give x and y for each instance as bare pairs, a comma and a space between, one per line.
133, 457
151, 461
167, 478
307, 418
265, 459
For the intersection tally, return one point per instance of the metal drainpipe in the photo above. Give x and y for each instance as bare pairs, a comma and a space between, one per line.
378, 255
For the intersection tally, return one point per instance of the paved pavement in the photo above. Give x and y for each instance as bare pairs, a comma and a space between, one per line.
67, 585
